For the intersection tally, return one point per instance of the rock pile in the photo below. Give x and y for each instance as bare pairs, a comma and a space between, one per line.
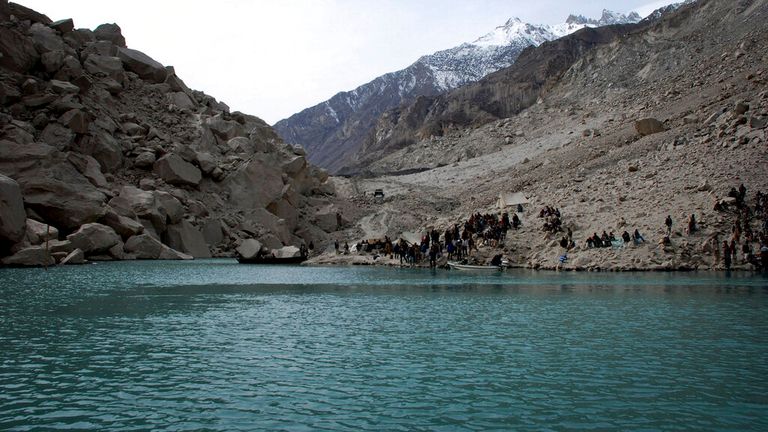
106, 154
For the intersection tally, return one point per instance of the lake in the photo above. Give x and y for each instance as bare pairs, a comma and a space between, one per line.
214, 345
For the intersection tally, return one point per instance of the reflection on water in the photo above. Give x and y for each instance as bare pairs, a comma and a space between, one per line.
220, 346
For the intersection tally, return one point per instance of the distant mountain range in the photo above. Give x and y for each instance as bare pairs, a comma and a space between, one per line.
333, 131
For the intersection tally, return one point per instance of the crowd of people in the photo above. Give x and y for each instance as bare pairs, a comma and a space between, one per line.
749, 230
746, 244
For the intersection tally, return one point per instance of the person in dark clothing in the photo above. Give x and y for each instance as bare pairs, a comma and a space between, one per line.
692, 225
637, 237
625, 236
496, 260
668, 223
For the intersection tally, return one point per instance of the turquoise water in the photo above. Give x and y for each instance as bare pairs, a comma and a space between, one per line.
213, 345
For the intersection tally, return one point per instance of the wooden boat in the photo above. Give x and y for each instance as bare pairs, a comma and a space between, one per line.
478, 268
272, 260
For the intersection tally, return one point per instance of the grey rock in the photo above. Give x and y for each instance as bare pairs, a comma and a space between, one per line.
63, 26
76, 120
181, 100
104, 148
174, 170
94, 238
145, 160
38, 232
75, 257
206, 161
125, 226
249, 248
169, 206
186, 238
12, 214
212, 232
649, 126
240, 145
45, 39
287, 252
143, 65
224, 129
18, 53
64, 87
53, 61
105, 66
145, 246
35, 256
60, 246
111, 33
89, 168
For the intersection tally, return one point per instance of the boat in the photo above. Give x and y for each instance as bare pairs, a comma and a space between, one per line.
478, 268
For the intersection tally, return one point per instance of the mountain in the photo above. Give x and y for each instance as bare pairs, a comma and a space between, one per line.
107, 154
617, 127
499, 95
334, 130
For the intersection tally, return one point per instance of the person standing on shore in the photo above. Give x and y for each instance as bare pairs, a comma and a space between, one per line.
336, 246
668, 223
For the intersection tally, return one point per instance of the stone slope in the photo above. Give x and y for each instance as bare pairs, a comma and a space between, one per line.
333, 131
99, 139
701, 72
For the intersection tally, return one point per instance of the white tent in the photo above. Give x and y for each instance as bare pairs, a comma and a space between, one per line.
507, 199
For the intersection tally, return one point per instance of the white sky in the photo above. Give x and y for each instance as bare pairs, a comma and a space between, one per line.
273, 58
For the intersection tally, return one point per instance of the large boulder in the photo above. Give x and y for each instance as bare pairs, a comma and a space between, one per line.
75, 119
132, 202
649, 126
63, 26
89, 168
45, 38
103, 147
174, 170
57, 135
38, 232
188, 239
295, 165
181, 100
287, 252
35, 256
145, 246
17, 52
77, 256
256, 183
110, 32
94, 238
12, 215
143, 65
170, 206
125, 226
249, 249
62, 196
105, 66
224, 129
212, 232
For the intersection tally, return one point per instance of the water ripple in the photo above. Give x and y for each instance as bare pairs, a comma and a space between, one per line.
139, 349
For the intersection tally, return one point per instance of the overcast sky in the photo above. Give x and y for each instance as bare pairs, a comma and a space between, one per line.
273, 58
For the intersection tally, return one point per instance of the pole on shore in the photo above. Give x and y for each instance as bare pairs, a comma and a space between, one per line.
47, 253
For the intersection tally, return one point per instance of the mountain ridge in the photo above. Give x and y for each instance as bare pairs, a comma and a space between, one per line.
333, 130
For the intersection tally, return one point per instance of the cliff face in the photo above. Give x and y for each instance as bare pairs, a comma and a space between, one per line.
100, 141
334, 131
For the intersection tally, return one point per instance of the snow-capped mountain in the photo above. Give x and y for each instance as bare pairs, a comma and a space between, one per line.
333, 131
